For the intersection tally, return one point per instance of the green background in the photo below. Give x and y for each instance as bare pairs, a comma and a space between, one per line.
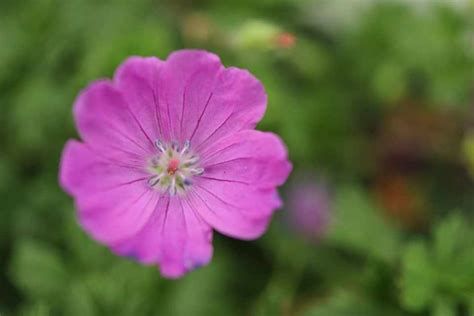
373, 98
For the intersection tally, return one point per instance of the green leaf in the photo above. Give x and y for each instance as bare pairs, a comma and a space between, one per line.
124, 288
348, 304
444, 307
38, 271
453, 250
86, 251
447, 237
38, 309
418, 277
470, 306
79, 301
203, 292
389, 83
443, 274
359, 225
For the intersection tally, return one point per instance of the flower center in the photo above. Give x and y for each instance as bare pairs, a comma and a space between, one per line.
173, 168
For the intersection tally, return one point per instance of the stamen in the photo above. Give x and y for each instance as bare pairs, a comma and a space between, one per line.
154, 161
197, 171
173, 168
160, 146
172, 188
192, 160
153, 181
186, 146
174, 145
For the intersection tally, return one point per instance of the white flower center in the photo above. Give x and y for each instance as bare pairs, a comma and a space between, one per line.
173, 168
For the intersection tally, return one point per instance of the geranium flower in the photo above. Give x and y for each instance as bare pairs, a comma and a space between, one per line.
309, 208
169, 153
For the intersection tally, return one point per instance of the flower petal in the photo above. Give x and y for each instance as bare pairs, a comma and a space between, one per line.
249, 157
236, 194
206, 101
235, 210
116, 214
238, 102
176, 238
105, 121
84, 171
188, 79
186, 240
113, 199
137, 80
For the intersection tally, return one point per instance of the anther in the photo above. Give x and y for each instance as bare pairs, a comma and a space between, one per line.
160, 146
154, 161
153, 181
186, 146
192, 160
172, 188
174, 145
197, 171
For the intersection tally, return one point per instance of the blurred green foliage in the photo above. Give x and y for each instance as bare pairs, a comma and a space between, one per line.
440, 274
376, 97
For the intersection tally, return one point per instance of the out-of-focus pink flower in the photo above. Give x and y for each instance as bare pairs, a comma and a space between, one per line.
169, 153
309, 207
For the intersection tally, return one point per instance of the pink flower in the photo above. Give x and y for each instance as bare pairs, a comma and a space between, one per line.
170, 153
309, 208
